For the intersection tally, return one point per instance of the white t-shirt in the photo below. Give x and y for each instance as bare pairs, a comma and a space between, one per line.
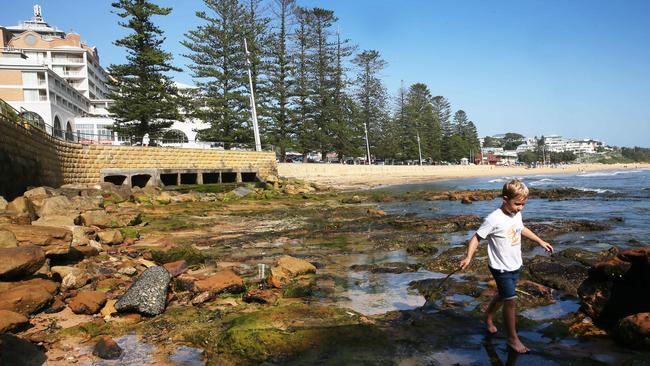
503, 233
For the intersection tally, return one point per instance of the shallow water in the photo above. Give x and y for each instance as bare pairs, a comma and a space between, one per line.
621, 195
136, 352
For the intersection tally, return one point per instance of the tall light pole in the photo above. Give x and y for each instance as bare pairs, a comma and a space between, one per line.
365, 128
417, 134
256, 131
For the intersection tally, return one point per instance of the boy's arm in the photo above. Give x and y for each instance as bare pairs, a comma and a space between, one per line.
528, 234
471, 249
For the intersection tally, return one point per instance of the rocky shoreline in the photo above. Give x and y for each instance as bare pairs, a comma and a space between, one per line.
263, 273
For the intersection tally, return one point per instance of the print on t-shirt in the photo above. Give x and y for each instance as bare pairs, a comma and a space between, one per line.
514, 235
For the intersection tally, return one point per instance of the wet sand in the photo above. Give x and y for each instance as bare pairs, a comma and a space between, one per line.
347, 177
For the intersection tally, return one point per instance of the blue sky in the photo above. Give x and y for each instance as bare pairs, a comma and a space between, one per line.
578, 68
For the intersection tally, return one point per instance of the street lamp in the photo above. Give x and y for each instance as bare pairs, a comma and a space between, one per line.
256, 131
365, 128
417, 133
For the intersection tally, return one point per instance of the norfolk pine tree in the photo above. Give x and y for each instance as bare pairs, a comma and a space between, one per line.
282, 126
304, 105
321, 64
146, 100
346, 133
219, 70
258, 36
370, 93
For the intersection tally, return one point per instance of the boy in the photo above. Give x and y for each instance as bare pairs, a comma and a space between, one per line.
503, 229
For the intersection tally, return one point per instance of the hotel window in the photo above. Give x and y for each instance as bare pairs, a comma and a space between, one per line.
85, 131
31, 95
30, 79
103, 132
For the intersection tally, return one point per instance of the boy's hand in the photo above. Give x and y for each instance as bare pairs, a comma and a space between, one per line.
548, 247
465, 263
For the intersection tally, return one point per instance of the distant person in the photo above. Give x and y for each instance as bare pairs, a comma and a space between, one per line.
503, 229
145, 140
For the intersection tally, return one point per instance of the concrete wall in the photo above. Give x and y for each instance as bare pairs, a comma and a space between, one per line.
30, 157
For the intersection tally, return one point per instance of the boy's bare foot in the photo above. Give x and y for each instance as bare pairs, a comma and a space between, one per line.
489, 325
517, 346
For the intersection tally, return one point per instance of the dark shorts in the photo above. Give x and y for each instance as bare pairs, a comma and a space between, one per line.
506, 282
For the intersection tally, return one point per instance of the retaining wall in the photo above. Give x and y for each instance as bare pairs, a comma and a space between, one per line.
31, 157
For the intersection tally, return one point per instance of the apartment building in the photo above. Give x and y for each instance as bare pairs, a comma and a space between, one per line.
56, 81
557, 143
50, 76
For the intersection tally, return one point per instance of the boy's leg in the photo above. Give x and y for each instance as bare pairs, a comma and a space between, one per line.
491, 310
509, 318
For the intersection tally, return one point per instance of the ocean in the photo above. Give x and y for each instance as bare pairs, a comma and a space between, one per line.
622, 199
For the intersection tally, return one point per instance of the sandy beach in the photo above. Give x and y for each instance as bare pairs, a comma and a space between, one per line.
346, 177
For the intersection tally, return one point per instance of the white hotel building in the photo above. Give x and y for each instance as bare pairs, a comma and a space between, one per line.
556, 143
54, 79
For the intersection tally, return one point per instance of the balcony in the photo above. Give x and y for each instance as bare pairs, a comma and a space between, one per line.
67, 60
73, 74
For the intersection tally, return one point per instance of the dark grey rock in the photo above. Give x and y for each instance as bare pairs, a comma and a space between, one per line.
148, 295
17, 351
242, 191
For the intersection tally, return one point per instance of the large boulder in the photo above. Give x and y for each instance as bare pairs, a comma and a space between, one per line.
107, 349
110, 237
557, 272
176, 268
61, 221
49, 286
148, 295
98, 218
71, 277
38, 196
85, 203
225, 280
21, 206
442, 224
10, 321
18, 351
26, 299
287, 268
88, 302
20, 262
634, 331
56, 205
54, 240
7, 239
618, 287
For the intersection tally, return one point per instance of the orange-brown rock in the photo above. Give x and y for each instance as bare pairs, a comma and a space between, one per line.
221, 281
21, 206
98, 218
49, 286
634, 331
88, 302
176, 268
25, 300
11, 321
376, 212
287, 268
54, 240
260, 296
7, 239
617, 288
19, 262
107, 348
110, 237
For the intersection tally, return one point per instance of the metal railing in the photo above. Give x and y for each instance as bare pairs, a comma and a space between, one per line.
28, 121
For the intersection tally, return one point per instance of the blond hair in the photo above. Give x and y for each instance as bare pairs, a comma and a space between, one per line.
514, 188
